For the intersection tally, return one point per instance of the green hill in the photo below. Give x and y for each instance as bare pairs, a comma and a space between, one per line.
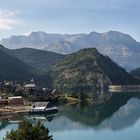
40, 61
11, 68
85, 69
32, 63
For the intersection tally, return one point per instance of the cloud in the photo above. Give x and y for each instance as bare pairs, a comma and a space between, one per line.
7, 24
8, 19
8, 14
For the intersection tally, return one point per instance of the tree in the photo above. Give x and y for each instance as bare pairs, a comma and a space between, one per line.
29, 131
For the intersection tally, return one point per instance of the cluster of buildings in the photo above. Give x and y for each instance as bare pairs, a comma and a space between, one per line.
28, 89
15, 100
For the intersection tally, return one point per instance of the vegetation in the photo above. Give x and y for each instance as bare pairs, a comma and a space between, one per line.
13, 68
40, 61
23, 64
85, 70
77, 72
28, 131
117, 74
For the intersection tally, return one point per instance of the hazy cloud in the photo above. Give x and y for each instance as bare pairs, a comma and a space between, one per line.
7, 24
7, 19
8, 14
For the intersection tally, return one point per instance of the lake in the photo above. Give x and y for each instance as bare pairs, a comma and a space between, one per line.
111, 116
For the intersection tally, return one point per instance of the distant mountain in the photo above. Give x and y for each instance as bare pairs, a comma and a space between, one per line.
122, 48
86, 69
37, 40
11, 68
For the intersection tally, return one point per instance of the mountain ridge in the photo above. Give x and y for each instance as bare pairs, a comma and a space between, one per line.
86, 69
121, 47
82, 70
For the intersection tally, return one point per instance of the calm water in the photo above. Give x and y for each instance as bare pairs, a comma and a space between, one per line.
111, 117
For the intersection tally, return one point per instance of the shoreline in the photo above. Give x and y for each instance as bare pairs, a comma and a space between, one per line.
8, 110
25, 109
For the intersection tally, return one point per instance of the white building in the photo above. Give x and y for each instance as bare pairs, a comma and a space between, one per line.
29, 86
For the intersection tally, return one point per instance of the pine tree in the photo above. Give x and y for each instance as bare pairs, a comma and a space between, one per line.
29, 131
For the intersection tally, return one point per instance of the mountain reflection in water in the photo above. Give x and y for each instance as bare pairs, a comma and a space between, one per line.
121, 109
114, 111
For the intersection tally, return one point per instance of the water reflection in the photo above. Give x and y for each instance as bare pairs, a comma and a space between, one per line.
14, 119
115, 111
125, 117
94, 113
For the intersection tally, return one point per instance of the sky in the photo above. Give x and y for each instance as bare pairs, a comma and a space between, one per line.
69, 16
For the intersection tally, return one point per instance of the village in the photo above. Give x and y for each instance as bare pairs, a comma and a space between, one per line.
15, 98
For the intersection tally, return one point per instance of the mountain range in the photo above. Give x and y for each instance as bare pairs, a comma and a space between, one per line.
72, 73
120, 47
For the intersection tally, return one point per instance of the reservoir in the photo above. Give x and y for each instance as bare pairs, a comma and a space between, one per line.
111, 116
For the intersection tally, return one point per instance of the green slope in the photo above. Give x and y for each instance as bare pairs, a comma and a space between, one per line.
12, 68
85, 69
40, 61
